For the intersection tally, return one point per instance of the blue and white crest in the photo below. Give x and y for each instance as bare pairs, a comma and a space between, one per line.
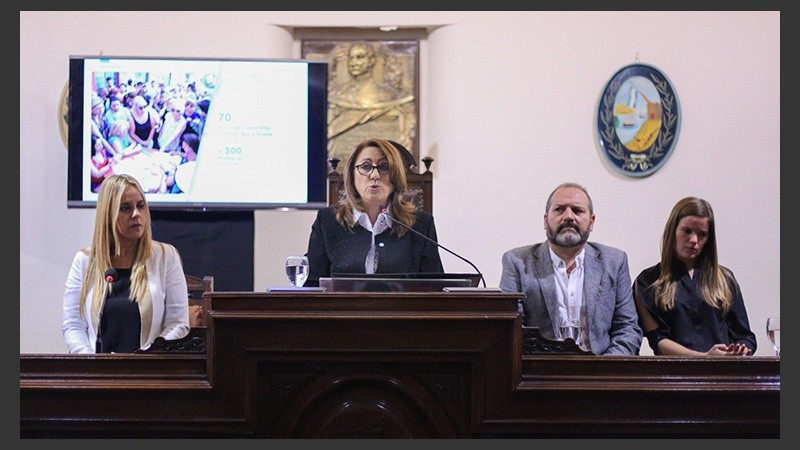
638, 119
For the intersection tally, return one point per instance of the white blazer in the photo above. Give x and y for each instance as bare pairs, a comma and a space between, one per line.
168, 315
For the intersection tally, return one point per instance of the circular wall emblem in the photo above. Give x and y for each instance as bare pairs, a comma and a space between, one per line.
638, 120
63, 114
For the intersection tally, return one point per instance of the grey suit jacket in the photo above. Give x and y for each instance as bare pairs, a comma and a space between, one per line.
611, 313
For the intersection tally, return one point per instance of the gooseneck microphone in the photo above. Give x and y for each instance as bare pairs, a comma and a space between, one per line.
386, 213
110, 276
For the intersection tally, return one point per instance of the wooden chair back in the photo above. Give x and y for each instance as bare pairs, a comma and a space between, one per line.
196, 287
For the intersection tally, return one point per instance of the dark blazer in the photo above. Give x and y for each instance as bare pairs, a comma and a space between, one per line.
611, 313
333, 248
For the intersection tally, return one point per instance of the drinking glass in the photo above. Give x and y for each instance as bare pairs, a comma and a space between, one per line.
297, 270
570, 329
774, 333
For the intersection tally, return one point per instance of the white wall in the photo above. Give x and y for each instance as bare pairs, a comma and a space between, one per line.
507, 108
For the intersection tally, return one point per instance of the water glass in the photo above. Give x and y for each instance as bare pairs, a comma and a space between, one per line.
570, 329
297, 270
774, 333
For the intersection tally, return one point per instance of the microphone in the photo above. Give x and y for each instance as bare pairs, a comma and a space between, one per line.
110, 277
385, 211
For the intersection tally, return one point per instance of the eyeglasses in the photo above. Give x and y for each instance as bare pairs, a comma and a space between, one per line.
176, 110
367, 168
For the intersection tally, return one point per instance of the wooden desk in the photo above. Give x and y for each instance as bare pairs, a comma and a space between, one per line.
393, 365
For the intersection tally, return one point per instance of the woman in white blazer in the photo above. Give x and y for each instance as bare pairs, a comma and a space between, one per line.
126, 289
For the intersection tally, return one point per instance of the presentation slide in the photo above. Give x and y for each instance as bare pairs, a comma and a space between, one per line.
250, 119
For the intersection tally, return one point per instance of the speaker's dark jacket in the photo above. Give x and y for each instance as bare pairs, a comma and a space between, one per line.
333, 248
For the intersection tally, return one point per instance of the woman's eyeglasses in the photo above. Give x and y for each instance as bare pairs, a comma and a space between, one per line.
367, 168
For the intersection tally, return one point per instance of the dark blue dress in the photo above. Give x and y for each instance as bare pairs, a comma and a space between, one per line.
120, 322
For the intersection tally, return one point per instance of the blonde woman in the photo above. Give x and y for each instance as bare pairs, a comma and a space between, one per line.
169, 135
120, 140
125, 289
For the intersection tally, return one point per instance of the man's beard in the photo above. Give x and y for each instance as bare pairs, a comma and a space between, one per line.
567, 236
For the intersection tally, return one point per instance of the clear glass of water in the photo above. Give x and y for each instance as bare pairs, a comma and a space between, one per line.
297, 270
570, 329
774, 333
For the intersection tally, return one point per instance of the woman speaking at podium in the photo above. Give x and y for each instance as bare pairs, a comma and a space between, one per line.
367, 231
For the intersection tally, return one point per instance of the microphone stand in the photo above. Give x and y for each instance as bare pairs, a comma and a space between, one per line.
386, 212
110, 276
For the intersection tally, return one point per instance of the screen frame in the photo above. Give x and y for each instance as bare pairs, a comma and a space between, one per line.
317, 154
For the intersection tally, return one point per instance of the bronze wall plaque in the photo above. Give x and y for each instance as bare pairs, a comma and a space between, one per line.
373, 91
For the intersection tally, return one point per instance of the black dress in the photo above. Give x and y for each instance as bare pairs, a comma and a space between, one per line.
120, 322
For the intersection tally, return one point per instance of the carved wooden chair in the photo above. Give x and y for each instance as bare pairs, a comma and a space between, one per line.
534, 343
196, 288
195, 341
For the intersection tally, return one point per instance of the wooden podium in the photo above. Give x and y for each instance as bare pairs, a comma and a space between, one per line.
389, 365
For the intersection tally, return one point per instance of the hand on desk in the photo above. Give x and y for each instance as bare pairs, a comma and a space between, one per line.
728, 350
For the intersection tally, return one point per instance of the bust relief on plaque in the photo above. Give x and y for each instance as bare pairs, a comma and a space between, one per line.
372, 92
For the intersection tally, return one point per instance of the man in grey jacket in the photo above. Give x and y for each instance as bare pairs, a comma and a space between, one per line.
575, 286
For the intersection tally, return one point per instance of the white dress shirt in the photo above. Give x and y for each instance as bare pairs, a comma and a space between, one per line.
381, 224
569, 289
